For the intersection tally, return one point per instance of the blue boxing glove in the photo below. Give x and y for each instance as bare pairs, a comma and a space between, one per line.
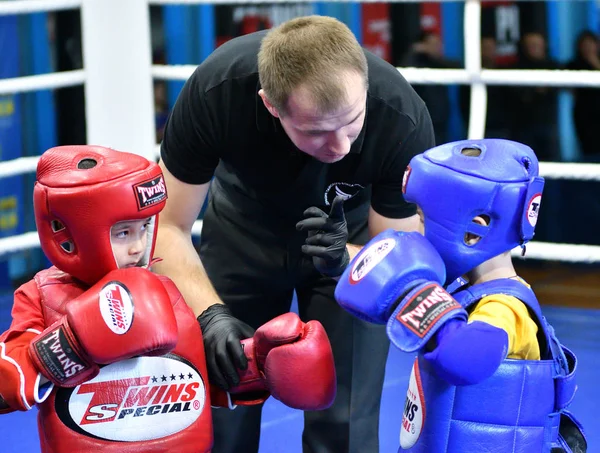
468, 353
396, 279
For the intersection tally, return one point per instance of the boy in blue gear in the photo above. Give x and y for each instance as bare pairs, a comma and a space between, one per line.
490, 375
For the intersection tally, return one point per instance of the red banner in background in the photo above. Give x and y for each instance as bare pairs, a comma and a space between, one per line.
431, 18
238, 20
500, 20
376, 27
485, 3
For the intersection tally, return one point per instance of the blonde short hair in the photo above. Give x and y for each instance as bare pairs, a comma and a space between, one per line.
311, 50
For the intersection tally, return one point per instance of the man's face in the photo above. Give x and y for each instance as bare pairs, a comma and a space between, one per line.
434, 46
488, 52
589, 47
535, 46
325, 136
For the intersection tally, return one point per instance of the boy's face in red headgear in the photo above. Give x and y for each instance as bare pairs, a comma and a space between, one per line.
129, 240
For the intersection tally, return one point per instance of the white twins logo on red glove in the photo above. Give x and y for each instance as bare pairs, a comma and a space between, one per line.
116, 307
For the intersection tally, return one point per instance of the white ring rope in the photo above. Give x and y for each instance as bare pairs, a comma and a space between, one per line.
18, 243
42, 81
522, 77
18, 166
36, 6
550, 251
541, 77
549, 170
472, 37
576, 253
570, 170
557, 78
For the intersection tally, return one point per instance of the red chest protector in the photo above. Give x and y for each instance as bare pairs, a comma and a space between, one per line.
146, 404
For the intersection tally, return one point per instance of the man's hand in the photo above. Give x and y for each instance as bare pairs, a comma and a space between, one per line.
327, 238
222, 334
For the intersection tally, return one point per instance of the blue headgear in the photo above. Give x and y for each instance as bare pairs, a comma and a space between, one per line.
451, 188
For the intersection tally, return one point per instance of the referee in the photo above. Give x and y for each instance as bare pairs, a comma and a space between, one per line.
279, 124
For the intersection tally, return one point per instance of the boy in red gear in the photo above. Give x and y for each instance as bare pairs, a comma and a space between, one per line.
109, 351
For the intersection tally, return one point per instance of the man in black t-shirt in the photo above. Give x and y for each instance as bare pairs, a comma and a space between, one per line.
287, 121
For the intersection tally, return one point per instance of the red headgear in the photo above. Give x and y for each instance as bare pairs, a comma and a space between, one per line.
80, 193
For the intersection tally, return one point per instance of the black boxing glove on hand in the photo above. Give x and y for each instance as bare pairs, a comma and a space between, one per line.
327, 238
222, 333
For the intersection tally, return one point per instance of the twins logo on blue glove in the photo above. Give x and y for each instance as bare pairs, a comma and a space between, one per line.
422, 308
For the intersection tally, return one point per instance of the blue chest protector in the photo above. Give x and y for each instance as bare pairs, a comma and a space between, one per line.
517, 410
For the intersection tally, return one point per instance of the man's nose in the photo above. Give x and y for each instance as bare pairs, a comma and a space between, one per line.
339, 143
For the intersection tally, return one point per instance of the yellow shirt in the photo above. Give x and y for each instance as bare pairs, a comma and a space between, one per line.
510, 314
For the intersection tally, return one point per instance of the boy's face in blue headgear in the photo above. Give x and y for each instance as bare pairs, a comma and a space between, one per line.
470, 239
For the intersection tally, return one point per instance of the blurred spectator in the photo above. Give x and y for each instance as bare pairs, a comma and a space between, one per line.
161, 108
497, 121
534, 110
428, 53
586, 111
161, 100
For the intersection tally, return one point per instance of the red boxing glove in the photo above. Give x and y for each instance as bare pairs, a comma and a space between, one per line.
126, 314
288, 359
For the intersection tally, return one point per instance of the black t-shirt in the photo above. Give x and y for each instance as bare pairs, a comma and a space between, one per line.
219, 127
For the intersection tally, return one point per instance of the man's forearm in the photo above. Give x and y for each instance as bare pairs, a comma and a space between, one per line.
181, 263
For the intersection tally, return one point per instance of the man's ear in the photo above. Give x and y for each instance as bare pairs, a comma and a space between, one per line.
272, 110
471, 239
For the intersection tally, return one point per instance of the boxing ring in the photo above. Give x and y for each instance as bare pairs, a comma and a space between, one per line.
119, 102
